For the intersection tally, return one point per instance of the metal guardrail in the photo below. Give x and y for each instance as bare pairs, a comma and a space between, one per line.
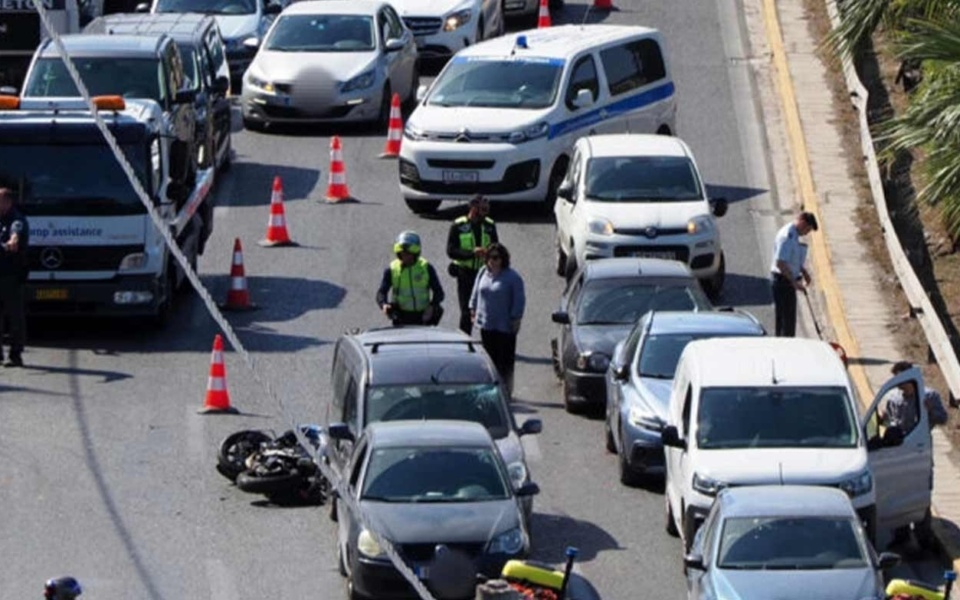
920, 305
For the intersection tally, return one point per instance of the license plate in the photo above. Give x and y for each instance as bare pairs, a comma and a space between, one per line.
461, 176
423, 572
653, 254
52, 294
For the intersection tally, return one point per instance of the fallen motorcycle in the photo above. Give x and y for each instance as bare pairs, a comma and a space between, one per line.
276, 467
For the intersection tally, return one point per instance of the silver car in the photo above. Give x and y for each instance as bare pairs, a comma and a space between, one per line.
640, 376
330, 60
784, 542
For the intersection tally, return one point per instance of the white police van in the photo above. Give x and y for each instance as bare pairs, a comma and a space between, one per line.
502, 116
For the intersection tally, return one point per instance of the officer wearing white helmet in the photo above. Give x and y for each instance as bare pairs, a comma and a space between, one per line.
412, 285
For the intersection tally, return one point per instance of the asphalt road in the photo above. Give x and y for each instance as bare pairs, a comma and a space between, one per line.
106, 470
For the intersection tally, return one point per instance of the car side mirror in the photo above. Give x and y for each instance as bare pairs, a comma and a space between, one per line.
272, 9
421, 93
560, 317
531, 426
621, 372
221, 85
719, 206
528, 489
393, 44
565, 191
340, 431
694, 561
583, 99
251, 43
671, 438
142, 8
8, 91
185, 97
888, 560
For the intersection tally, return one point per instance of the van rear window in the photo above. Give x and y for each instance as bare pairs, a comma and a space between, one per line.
632, 65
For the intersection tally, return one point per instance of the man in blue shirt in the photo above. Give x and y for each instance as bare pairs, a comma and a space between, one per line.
789, 274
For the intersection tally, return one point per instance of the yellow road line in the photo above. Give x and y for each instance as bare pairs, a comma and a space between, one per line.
820, 252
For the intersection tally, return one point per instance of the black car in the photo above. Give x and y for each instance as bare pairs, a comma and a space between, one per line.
205, 67
600, 305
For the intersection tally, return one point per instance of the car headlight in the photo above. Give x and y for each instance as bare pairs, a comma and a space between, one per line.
529, 133
857, 486
701, 224
457, 20
133, 261
642, 418
593, 361
518, 473
412, 133
600, 227
360, 82
260, 84
368, 546
706, 485
508, 542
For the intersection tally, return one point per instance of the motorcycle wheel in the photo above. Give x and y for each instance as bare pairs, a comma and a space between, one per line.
273, 485
235, 449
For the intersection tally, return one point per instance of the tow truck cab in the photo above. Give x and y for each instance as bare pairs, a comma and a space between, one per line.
21, 32
93, 247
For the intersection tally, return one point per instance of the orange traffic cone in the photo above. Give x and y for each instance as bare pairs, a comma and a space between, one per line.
544, 19
277, 224
603, 4
218, 399
337, 189
238, 297
395, 130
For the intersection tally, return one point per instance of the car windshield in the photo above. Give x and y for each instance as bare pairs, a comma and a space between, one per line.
102, 76
623, 301
208, 7
507, 83
642, 179
434, 474
94, 185
322, 33
759, 417
661, 353
480, 403
791, 543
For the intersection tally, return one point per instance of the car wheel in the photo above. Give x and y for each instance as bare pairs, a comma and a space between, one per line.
556, 178
561, 260
628, 476
664, 130
671, 524
333, 508
227, 156
411, 99
571, 266
714, 285
423, 207
341, 560
611, 443
923, 530
251, 125
689, 530
383, 118
571, 407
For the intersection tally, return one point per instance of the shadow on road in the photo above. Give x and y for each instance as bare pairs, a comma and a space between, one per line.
553, 533
745, 290
279, 298
250, 183
733, 193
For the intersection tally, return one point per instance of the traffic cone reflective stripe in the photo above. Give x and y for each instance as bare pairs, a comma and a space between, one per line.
337, 190
394, 130
218, 399
238, 298
277, 234
544, 19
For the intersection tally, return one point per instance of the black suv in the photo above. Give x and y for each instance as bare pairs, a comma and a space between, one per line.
140, 67
204, 64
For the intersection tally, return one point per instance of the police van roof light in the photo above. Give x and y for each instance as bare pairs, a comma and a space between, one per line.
522, 42
109, 103
9, 102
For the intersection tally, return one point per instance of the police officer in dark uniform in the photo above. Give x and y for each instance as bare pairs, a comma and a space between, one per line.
14, 238
467, 244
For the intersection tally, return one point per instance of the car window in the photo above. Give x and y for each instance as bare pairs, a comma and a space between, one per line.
498, 83
359, 457
632, 65
175, 66
687, 405
584, 76
633, 340
623, 301
480, 403
791, 543
127, 77
642, 179
215, 47
191, 67
762, 417
574, 171
661, 353
350, 400
321, 33
394, 23
434, 474
209, 7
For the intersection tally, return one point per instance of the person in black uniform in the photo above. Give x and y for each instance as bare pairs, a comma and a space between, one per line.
14, 238
467, 244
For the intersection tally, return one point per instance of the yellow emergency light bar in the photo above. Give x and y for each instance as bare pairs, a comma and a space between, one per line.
9, 102
109, 102
101, 102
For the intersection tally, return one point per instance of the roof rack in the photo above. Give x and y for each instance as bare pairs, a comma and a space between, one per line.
375, 346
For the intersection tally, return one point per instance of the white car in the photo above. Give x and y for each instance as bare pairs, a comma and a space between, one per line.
638, 195
782, 411
443, 27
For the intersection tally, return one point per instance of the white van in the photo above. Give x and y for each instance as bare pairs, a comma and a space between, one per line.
503, 115
760, 411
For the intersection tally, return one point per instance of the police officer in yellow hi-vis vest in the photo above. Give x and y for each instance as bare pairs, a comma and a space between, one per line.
412, 284
467, 244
